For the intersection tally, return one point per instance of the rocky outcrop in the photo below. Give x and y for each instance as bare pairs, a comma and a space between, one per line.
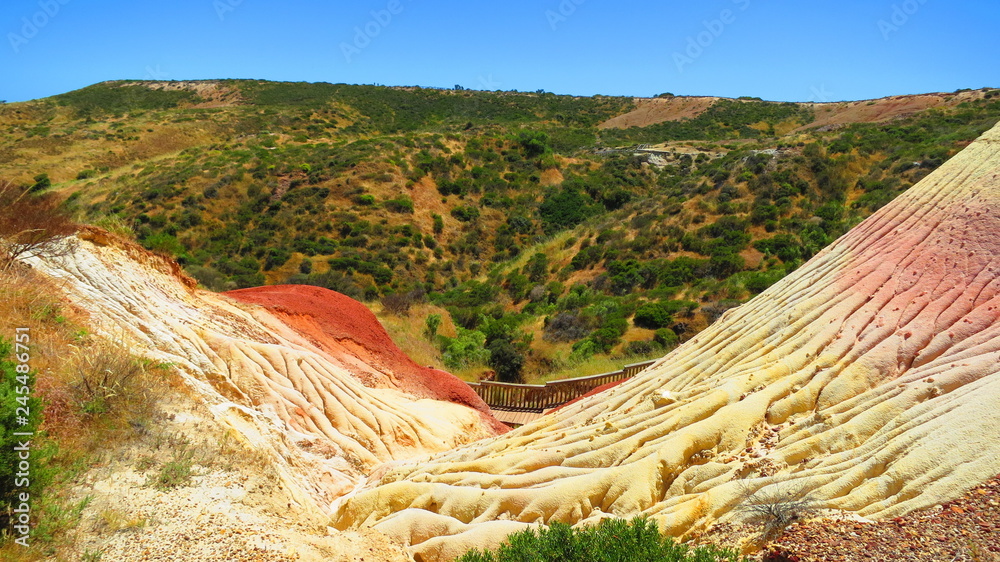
868, 381
288, 378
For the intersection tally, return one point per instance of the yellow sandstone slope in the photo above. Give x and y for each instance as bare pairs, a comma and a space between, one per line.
867, 381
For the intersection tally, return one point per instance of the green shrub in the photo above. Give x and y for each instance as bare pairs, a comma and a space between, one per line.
16, 396
666, 338
507, 360
467, 349
400, 205
42, 182
276, 257
431, 325
464, 214
163, 243
612, 540
564, 209
175, 473
653, 316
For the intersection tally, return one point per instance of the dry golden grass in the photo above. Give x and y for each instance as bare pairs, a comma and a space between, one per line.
408, 332
95, 393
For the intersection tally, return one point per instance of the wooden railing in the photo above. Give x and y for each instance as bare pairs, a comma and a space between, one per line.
541, 397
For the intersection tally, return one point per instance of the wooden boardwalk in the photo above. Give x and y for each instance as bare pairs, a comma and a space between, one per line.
517, 404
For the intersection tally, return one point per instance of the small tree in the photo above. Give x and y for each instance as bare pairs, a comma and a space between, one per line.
431, 326
507, 360
30, 225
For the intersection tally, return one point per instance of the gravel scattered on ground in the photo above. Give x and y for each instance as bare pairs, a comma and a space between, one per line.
967, 529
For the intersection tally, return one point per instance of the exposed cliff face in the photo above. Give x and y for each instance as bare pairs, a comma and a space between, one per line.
868, 381
287, 377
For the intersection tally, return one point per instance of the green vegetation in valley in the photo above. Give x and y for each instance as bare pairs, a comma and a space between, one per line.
492, 207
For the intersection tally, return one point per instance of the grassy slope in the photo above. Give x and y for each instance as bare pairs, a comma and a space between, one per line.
376, 191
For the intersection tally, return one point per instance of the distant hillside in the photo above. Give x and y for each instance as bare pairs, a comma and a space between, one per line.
531, 222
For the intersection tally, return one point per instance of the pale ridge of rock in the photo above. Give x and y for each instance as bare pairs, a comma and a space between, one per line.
866, 381
304, 406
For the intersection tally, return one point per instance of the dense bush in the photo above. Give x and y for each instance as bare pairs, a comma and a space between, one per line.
666, 337
466, 349
215, 206
653, 316
465, 214
566, 326
657, 315
564, 209
612, 540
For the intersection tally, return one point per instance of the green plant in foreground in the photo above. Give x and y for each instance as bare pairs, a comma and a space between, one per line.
613, 540
175, 473
20, 412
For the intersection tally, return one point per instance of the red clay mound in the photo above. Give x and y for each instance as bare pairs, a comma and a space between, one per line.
349, 331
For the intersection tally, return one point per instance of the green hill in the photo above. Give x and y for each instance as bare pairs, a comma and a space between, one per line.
508, 213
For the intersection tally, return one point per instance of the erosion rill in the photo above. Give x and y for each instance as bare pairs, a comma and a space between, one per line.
867, 381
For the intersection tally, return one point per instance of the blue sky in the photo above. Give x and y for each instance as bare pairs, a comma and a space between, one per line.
777, 50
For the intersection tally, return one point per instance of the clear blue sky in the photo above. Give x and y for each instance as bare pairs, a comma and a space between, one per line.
779, 50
